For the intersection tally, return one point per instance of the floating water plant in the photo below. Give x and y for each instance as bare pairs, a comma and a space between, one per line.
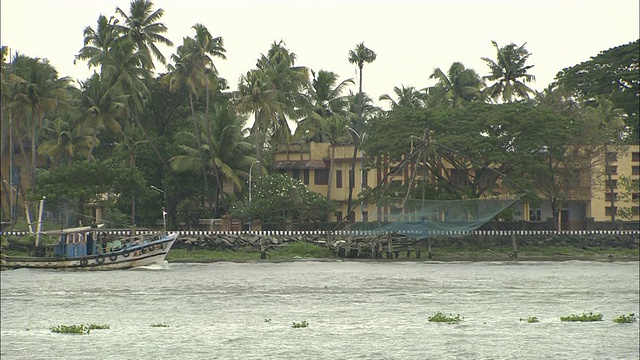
159, 325
267, 320
625, 319
531, 319
582, 318
302, 324
77, 329
449, 319
97, 327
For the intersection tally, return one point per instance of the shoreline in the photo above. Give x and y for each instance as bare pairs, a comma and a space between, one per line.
425, 259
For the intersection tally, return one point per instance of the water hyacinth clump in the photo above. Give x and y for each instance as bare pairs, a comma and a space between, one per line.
297, 325
582, 318
625, 319
531, 319
449, 319
77, 329
159, 325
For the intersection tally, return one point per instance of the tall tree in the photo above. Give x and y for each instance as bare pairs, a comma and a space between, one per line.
279, 67
64, 141
456, 87
325, 96
41, 92
142, 26
615, 73
509, 73
407, 97
201, 49
359, 56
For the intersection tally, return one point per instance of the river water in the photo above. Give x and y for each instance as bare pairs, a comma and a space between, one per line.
355, 310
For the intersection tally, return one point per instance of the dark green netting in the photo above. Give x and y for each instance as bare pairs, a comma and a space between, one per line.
421, 219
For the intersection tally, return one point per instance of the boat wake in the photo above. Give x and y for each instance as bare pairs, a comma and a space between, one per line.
163, 266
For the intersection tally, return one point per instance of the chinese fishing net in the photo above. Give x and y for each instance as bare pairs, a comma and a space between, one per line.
422, 219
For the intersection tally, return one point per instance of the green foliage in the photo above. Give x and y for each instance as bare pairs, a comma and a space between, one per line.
278, 198
625, 319
449, 319
297, 325
190, 210
531, 319
84, 183
614, 73
627, 187
582, 318
302, 249
77, 329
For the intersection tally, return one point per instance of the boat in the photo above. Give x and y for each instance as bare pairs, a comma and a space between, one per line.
87, 248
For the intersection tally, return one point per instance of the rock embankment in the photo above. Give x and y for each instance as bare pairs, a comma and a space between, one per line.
235, 242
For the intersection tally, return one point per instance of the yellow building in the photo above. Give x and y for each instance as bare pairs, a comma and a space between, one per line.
624, 163
310, 163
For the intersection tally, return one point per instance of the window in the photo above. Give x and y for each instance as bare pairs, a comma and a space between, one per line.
352, 181
282, 172
612, 157
612, 169
635, 156
635, 210
635, 170
306, 176
635, 196
611, 183
338, 216
535, 215
365, 216
607, 196
322, 177
352, 216
296, 174
365, 180
339, 179
607, 210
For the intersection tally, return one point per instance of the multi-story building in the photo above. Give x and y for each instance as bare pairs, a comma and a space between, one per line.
310, 163
612, 190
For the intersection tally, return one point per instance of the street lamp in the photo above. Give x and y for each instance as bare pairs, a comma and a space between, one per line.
164, 213
251, 168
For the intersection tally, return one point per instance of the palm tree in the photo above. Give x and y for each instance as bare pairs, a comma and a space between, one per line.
407, 97
141, 25
98, 42
201, 48
65, 141
103, 106
257, 95
130, 141
334, 127
279, 69
41, 92
325, 99
457, 86
509, 70
359, 56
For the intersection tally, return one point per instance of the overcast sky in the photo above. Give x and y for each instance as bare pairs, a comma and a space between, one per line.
411, 38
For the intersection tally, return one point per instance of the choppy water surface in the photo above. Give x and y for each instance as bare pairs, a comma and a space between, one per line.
356, 310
